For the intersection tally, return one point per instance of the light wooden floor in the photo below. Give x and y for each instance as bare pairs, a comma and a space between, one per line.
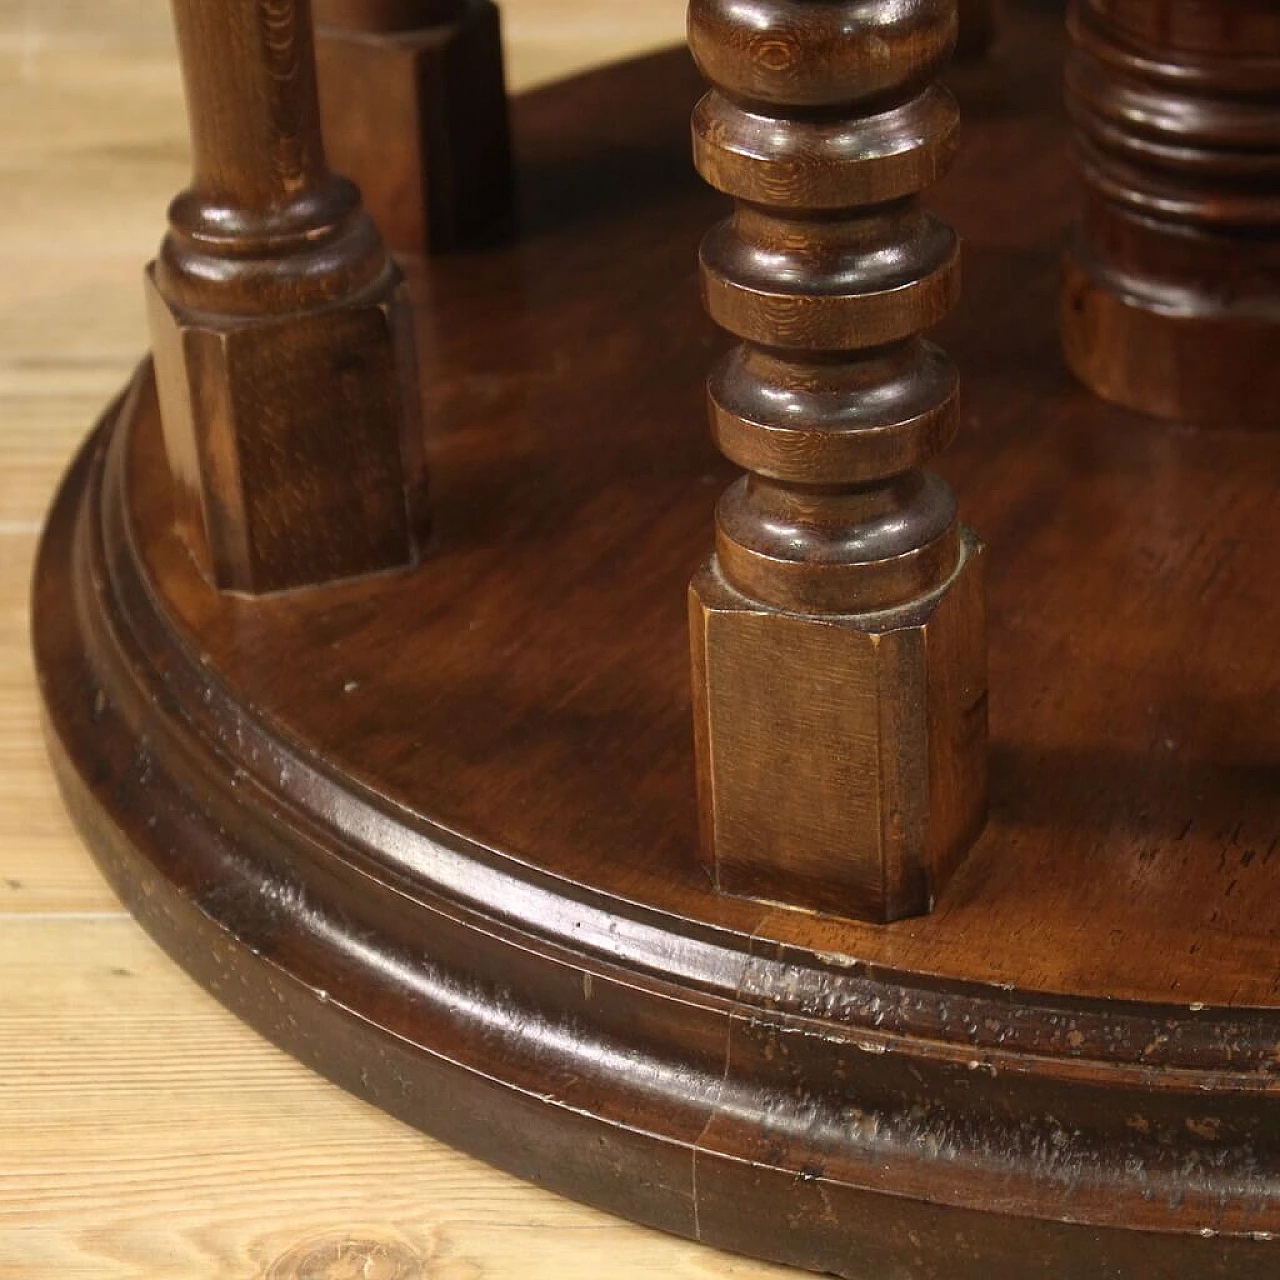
143, 1131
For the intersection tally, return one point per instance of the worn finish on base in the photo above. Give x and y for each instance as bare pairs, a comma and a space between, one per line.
433, 832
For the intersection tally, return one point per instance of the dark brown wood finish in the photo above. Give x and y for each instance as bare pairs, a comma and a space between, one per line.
1172, 300
280, 327
435, 833
980, 22
415, 110
838, 633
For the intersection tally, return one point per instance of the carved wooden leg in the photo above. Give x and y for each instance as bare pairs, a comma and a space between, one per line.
839, 659
979, 26
1172, 302
415, 109
281, 331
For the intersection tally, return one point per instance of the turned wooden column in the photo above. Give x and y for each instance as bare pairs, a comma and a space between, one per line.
839, 659
414, 104
1172, 300
979, 27
281, 328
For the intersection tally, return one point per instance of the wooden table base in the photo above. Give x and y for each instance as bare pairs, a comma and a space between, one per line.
434, 832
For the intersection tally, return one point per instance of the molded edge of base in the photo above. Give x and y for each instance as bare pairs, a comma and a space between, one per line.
815, 1143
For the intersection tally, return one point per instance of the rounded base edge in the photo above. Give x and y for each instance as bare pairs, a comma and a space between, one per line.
809, 1139
1212, 369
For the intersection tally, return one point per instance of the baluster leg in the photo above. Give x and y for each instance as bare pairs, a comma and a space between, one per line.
979, 27
281, 330
1172, 298
839, 659
415, 109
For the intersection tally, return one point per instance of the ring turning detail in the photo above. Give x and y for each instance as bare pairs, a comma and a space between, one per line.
839, 649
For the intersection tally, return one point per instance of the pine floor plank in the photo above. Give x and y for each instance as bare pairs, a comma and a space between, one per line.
144, 1133
149, 1135
44, 869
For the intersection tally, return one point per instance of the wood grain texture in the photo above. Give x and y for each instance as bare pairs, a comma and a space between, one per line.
280, 326
1172, 297
1087, 1023
1210, 746
149, 1136
666, 1068
415, 110
839, 651
146, 1134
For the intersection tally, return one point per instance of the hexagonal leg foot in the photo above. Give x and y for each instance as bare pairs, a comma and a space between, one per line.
295, 441
418, 119
841, 760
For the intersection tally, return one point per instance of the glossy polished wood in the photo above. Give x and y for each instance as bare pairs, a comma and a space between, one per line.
838, 634
980, 22
437, 837
280, 326
415, 110
1172, 299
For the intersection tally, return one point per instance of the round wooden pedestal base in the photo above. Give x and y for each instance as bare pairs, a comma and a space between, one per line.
434, 833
